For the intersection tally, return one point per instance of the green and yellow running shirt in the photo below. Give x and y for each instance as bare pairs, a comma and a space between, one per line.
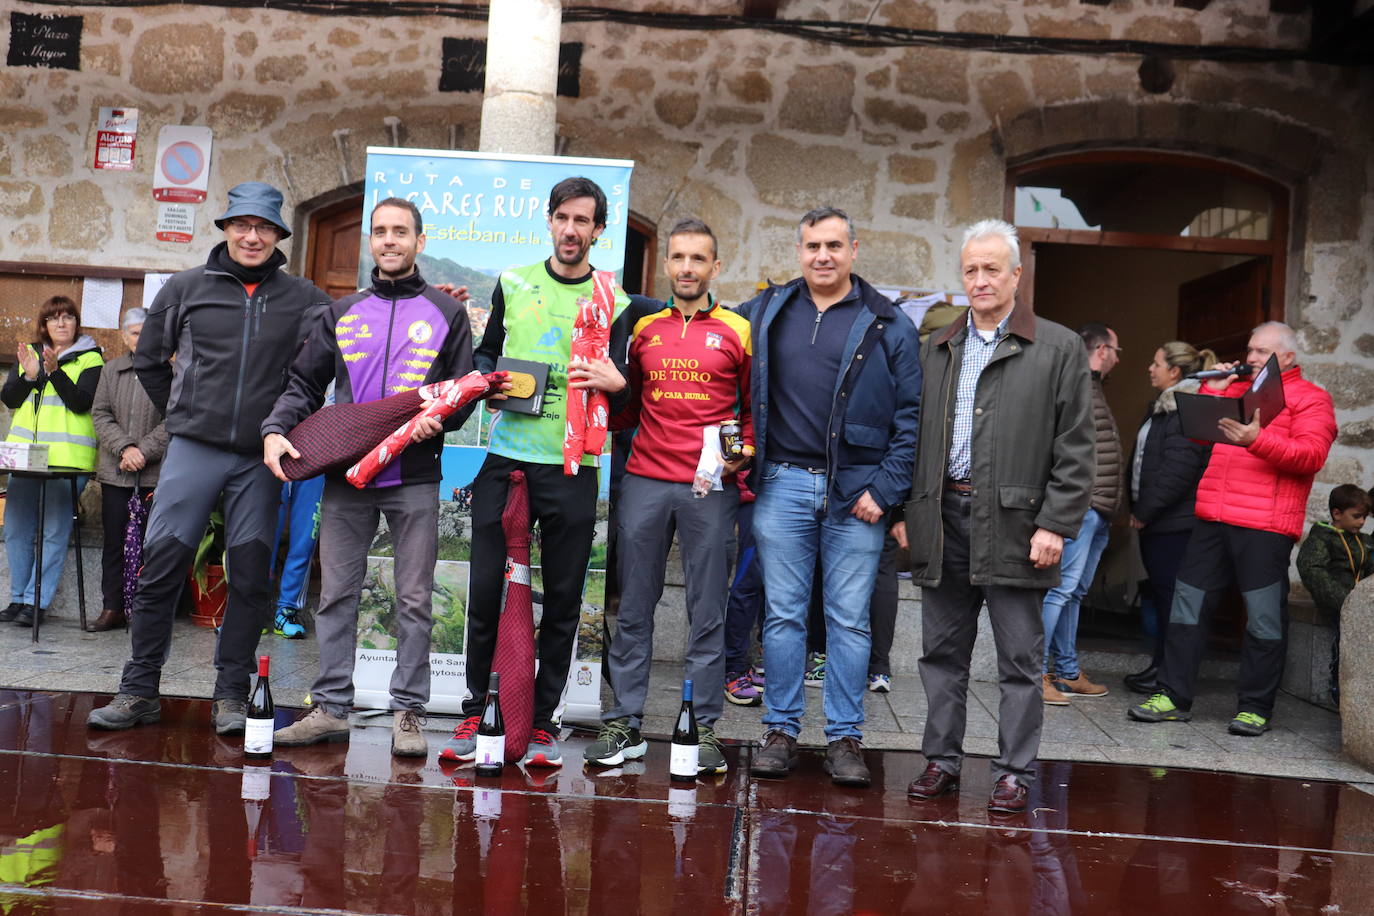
532, 314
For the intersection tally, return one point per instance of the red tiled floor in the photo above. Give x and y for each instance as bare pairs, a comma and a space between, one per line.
155, 821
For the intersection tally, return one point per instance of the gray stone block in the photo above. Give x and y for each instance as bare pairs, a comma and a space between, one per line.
1357, 687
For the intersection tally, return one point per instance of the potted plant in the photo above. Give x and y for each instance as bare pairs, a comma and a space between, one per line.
208, 580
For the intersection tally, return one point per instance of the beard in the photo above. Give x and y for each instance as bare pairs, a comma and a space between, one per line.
689, 290
583, 248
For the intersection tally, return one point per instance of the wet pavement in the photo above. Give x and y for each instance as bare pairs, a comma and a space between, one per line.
166, 819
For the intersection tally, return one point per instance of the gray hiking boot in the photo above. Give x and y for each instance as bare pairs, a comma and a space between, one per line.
125, 711
229, 716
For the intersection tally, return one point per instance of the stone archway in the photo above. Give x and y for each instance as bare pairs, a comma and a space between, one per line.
1326, 180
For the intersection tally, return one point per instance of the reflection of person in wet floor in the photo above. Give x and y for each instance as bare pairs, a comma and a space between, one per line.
1167, 876
33, 815
508, 848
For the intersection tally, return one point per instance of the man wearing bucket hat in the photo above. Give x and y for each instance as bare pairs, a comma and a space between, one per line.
233, 326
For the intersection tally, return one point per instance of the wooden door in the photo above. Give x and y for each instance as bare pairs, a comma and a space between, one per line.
335, 242
1218, 310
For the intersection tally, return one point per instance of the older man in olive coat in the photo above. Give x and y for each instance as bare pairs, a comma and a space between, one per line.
1004, 470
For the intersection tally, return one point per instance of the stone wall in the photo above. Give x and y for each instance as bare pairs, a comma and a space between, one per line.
744, 128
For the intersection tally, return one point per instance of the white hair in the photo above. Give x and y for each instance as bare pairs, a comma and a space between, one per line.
994, 228
1288, 338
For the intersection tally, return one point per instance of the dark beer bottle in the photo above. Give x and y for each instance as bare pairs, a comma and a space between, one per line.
491, 732
686, 748
260, 721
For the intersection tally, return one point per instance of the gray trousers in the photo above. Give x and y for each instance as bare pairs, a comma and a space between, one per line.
949, 626
348, 523
194, 474
649, 512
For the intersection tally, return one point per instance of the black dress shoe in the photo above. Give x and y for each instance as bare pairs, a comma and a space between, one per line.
11, 612
1143, 682
1008, 796
25, 618
108, 620
933, 783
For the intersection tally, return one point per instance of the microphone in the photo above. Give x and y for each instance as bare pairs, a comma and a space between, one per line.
1242, 370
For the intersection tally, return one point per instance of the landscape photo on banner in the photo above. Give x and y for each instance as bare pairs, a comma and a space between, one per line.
483, 214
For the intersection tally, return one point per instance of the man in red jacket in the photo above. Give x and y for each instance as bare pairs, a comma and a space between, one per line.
1251, 504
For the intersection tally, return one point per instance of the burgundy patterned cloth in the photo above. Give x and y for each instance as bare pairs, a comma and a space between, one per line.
339, 435
133, 546
441, 401
514, 656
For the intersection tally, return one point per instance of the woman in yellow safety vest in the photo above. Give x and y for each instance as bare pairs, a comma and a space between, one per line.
50, 390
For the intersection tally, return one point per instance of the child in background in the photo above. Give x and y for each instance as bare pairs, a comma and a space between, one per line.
1334, 557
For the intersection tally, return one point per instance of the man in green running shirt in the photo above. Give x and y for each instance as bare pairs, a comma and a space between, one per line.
532, 313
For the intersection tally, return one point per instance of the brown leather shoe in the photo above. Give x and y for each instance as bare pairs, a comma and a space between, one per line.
776, 758
933, 783
844, 761
108, 620
1052, 696
1008, 796
1079, 687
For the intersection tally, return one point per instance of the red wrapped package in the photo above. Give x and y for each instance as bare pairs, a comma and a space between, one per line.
440, 400
589, 408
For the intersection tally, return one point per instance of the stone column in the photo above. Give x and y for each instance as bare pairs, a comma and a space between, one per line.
520, 108
1357, 685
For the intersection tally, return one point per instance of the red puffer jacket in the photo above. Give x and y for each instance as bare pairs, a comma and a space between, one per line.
1265, 486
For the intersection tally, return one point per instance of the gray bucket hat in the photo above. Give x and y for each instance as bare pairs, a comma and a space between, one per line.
255, 198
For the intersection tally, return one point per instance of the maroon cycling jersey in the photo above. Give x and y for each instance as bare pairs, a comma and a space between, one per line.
685, 374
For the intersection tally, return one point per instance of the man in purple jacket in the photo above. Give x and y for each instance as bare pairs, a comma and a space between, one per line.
398, 334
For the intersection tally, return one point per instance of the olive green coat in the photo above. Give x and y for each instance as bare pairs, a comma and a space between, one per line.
1033, 451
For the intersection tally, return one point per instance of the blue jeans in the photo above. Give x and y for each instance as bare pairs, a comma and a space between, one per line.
21, 525
789, 531
299, 515
1060, 610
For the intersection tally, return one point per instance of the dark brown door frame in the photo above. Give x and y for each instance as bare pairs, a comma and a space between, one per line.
650, 261
1274, 248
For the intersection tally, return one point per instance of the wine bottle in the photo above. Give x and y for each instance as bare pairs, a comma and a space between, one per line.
491, 732
261, 718
255, 790
682, 764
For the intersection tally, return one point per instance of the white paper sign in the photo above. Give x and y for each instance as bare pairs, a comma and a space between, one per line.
100, 299
175, 222
151, 284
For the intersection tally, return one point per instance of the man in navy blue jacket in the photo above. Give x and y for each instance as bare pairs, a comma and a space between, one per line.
396, 335
836, 389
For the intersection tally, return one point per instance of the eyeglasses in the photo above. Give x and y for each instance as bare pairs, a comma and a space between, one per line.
265, 231
1110, 347
65, 316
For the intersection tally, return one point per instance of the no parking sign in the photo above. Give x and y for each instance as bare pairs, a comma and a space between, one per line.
182, 169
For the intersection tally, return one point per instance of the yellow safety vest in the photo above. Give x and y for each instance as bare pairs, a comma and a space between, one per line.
69, 436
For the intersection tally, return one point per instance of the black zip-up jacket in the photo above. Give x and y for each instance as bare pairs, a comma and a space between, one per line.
415, 335
232, 351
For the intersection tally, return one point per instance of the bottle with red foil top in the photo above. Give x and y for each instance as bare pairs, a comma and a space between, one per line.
261, 718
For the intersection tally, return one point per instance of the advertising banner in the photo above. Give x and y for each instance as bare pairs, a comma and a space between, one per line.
483, 213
